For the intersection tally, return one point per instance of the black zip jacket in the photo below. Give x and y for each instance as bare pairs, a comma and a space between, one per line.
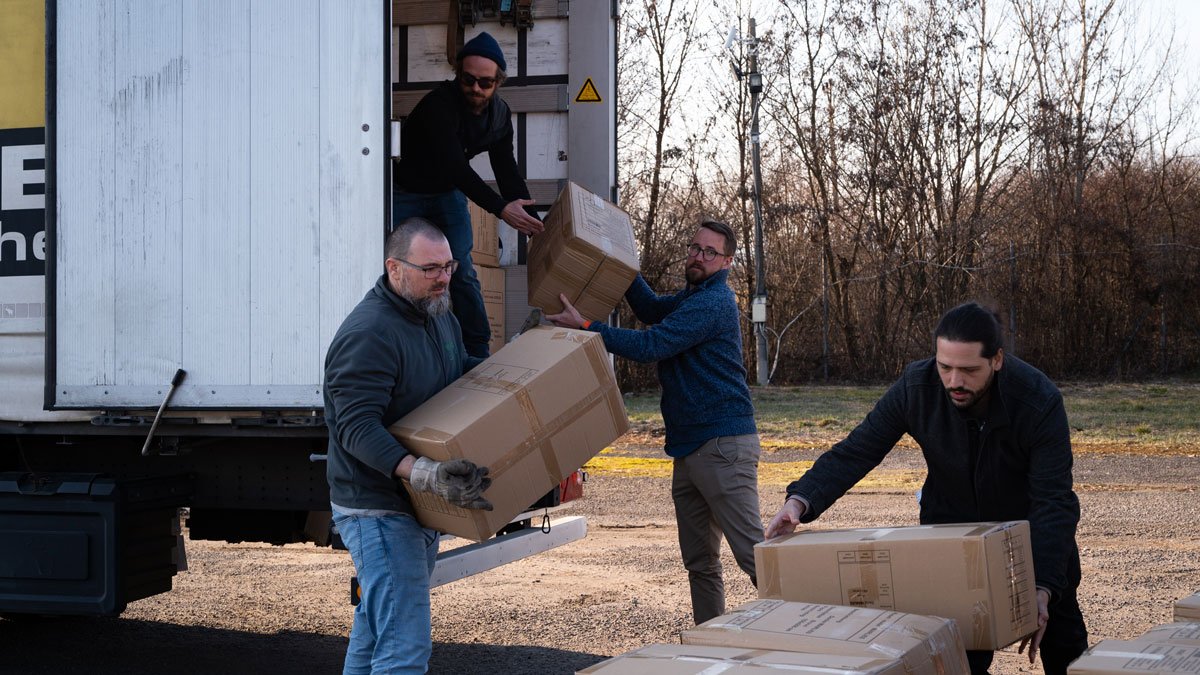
1022, 471
439, 138
386, 359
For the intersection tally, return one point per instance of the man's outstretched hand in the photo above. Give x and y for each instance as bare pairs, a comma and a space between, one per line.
515, 215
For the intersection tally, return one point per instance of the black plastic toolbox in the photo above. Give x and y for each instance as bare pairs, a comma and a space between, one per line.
77, 543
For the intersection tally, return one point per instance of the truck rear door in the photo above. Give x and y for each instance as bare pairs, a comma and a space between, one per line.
218, 179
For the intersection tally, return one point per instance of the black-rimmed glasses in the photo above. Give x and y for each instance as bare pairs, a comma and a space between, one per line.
470, 80
433, 271
694, 251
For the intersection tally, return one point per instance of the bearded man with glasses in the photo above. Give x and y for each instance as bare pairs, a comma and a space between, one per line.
695, 337
395, 350
433, 179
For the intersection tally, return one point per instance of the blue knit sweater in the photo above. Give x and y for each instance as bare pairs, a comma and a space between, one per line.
696, 338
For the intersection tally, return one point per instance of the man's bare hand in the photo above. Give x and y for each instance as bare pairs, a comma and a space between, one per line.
786, 521
1034, 639
514, 214
569, 317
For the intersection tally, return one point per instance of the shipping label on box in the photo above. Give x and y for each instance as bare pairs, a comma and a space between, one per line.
485, 236
1125, 657
702, 660
533, 412
1188, 609
491, 284
979, 574
587, 253
925, 645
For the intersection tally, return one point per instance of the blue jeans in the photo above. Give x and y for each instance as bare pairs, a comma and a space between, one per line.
448, 210
393, 556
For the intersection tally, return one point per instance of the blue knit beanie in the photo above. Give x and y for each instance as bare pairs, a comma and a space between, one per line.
486, 46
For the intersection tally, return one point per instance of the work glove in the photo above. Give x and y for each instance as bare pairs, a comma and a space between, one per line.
458, 481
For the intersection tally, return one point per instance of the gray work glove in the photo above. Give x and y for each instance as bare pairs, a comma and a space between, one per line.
458, 481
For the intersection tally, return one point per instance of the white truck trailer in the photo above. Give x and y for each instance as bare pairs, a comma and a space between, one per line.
192, 197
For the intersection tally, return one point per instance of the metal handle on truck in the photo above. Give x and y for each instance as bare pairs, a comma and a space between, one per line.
175, 382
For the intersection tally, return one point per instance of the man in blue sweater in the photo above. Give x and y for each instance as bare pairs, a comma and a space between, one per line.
695, 337
395, 350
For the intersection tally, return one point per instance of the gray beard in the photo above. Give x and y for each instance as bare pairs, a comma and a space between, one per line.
434, 306
430, 306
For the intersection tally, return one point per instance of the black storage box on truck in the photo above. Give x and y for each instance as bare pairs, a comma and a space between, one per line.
87, 543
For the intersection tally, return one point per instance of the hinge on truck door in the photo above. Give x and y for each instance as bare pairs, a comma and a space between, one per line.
278, 420
121, 418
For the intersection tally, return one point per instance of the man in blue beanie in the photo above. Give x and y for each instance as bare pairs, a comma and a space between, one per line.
458, 120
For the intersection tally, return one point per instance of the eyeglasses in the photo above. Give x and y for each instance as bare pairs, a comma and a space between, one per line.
470, 80
433, 271
694, 251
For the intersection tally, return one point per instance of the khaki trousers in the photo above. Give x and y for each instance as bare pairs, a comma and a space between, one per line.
715, 490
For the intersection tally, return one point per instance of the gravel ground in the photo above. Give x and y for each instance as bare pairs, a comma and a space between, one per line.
250, 608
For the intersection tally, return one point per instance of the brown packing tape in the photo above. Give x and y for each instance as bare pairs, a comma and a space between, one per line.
975, 562
981, 623
770, 572
540, 438
869, 579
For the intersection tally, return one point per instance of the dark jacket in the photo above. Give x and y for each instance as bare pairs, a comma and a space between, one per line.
386, 359
439, 138
696, 338
1022, 472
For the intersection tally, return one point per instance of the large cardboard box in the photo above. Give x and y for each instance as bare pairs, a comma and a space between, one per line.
1185, 633
925, 645
485, 236
533, 412
979, 574
491, 283
1126, 657
1188, 609
587, 253
701, 660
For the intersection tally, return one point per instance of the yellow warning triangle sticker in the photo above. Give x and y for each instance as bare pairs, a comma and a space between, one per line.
588, 93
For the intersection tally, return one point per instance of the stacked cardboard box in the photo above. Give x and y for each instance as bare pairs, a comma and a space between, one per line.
486, 236
979, 574
701, 660
587, 253
1170, 648
491, 283
533, 412
925, 645
1188, 609
1134, 657
486, 257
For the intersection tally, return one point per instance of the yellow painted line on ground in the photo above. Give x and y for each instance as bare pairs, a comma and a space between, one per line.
770, 473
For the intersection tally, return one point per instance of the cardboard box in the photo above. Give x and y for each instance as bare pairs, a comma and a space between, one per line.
925, 645
1188, 609
1186, 634
979, 574
587, 252
491, 282
485, 236
700, 660
533, 412
1125, 657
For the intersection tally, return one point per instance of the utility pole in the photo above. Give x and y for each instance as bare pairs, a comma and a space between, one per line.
758, 305
758, 313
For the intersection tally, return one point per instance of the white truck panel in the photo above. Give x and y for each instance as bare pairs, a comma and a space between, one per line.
220, 205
